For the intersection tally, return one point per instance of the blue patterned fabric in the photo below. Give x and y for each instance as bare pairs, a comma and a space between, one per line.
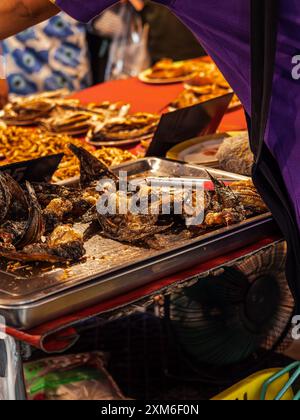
50, 56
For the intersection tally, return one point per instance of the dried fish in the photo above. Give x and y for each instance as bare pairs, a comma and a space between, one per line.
5, 198
136, 126
36, 222
132, 227
28, 112
249, 197
18, 208
91, 169
65, 244
22, 232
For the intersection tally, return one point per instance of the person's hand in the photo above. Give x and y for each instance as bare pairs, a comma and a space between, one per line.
3, 93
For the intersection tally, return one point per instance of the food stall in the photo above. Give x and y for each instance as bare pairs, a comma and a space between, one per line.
43, 305
152, 302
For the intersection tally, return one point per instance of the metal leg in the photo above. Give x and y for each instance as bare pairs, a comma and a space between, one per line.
12, 386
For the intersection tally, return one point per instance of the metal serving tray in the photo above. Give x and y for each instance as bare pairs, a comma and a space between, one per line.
32, 295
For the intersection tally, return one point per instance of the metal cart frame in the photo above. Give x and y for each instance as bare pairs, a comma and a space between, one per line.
13, 352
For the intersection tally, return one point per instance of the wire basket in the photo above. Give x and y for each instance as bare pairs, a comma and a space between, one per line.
267, 385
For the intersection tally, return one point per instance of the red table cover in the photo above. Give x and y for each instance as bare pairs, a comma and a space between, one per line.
150, 98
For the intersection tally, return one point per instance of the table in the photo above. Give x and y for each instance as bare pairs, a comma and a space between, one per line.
150, 98
60, 334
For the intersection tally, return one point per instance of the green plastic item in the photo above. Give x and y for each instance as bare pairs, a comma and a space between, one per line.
294, 371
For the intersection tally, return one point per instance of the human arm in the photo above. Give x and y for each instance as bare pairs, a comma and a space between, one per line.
17, 15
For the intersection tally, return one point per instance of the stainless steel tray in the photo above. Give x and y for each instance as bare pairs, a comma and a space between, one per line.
35, 294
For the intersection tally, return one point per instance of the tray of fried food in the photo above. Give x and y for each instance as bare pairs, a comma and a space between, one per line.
57, 98
19, 144
35, 218
189, 98
104, 109
60, 253
126, 130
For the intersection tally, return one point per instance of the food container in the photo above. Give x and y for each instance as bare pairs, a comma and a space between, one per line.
32, 295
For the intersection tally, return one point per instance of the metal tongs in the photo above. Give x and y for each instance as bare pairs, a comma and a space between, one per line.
173, 182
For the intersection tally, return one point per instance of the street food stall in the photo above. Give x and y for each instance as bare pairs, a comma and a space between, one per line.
43, 304
137, 233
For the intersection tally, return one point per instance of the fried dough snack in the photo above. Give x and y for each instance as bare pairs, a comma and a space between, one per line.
21, 144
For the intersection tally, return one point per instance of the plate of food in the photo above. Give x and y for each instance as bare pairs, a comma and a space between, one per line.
76, 121
30, 110
202, 150
204, 87
26, 113
122, 131
189, 98
168, 71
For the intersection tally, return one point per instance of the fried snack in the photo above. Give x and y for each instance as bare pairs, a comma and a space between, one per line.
200, 84
109, 109
77, 120
136, 126
28, 112
110, 156
72, 123
198, 95
208, 83
168, 69
57, 113
185, 99
20, 144
52, 95
189, 98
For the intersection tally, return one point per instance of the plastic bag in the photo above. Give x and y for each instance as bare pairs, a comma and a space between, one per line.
129, 53
72, 377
